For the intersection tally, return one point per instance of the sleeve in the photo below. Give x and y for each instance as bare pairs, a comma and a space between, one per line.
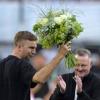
95, 93
57, 95
27, 73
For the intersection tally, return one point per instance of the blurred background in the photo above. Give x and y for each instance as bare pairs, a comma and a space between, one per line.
17, 15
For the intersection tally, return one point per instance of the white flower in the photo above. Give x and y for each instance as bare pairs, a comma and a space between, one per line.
58, 20
69, 14
64, 17
43, 21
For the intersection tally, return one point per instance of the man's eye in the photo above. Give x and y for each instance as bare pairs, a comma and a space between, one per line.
82, 65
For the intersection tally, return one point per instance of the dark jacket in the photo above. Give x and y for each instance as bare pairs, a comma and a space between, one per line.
91, 88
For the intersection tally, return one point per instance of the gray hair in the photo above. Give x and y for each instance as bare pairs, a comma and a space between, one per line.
83, 52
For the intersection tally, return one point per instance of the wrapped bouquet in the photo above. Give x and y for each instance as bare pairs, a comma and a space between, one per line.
57, 27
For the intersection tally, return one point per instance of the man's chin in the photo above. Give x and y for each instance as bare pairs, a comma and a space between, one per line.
29, 57
81, 75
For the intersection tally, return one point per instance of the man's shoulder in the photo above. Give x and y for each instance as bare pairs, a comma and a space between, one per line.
8, 58
93, 78
3, 60
12, 61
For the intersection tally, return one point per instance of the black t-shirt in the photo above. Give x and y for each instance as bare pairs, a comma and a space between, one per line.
15, 79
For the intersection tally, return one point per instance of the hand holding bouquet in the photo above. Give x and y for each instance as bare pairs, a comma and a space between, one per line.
57, 27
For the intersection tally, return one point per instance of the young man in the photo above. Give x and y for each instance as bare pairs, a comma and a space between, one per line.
80, 85
17, 75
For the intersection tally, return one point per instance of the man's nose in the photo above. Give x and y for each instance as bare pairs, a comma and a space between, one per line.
80, 67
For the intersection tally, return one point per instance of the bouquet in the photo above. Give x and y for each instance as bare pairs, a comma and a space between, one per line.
57, 27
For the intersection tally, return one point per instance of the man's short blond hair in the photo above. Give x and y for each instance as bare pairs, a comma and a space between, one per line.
24, 35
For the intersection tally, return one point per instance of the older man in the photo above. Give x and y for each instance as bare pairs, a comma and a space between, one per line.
80, 85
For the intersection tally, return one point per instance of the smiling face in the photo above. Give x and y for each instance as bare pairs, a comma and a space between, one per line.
83, 65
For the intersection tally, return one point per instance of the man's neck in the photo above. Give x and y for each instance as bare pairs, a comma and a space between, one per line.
17, 54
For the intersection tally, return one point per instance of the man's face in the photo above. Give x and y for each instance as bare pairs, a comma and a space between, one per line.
28, 48
83, 65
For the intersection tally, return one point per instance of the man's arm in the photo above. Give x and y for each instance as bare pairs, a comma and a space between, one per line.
36, 88
43, 74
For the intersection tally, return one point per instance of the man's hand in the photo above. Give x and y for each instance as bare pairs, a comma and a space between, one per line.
61, 83
64, 49
79, 84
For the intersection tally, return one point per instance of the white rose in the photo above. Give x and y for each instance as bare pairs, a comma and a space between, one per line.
69, 14
64, 17
43, 21
58, 20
